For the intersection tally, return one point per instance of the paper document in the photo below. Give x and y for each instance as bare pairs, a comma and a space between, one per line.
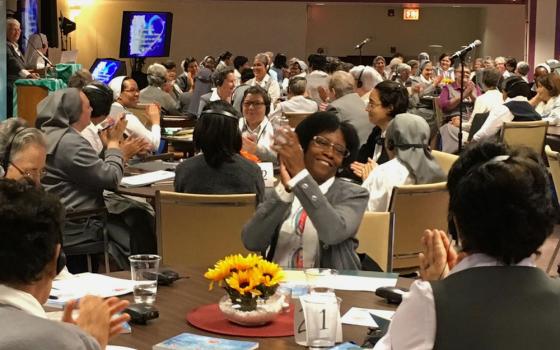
343, 282
362, 317
87, 283
147, 178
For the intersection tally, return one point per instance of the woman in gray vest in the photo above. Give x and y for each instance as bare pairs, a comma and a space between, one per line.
490, 295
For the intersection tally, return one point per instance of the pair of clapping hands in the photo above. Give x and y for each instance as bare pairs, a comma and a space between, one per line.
98, 317
111, 135
290, 153
439, 256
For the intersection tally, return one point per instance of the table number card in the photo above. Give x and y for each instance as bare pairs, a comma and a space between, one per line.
300, 332
268, 173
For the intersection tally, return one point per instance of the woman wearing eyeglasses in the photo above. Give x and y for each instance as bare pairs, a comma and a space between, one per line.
22, 151
407, 143
256, 129
311, 217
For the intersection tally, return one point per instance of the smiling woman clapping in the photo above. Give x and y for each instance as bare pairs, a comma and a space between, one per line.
315, 215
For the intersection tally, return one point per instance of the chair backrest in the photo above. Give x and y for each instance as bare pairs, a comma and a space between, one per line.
415, 209
477, 123
530, 134
198, 230
294, 118
28, 97
374, 238
445, 160
554, 166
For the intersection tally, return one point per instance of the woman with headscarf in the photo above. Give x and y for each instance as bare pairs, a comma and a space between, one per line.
155, 91
35, 44
77, 175
202, 86
406, 140
126, 95
261, 66
424, 89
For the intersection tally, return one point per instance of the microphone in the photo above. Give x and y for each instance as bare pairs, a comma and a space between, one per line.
38, 51
365, 41
462, 52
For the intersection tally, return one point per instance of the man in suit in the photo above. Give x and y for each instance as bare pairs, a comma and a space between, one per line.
348, 105
30, 258
14, 61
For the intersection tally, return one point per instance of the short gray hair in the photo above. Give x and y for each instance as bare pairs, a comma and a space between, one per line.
297, 86
12, 22
342, 83
14, 131
157, 75
523, 68
263, 58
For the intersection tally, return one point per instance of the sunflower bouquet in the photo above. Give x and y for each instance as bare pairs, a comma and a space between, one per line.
246, 279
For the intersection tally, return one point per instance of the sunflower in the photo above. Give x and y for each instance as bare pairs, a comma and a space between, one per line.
239, 263
245, 281
221, 271
271, 273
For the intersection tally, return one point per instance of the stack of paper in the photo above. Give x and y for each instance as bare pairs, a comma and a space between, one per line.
185, 341
343, 282
87, 283
147, 178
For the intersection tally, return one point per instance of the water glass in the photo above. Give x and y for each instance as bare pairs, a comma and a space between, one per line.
144, 269
320, 280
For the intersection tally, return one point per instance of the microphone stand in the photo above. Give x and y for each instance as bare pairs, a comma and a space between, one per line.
461, 103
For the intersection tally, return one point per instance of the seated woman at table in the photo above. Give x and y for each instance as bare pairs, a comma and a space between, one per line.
218, 168
256, 129
515, 108
155, 91
145, 125
546, 101
425, 87
450, 102
311, 218
22, 151
491, 295
407, 142
386, 100
78, 176
30, 258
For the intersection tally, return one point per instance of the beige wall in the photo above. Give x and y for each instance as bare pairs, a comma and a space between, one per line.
246, 27
504, 31
545, 30
340, 27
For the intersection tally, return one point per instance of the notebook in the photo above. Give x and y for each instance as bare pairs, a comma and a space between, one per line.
188, 341
147, 178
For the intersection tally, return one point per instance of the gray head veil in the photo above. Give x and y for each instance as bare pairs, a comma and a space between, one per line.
56, 113
409, 135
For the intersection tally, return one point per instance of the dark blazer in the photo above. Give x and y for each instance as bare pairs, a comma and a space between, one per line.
336, 216
14, 63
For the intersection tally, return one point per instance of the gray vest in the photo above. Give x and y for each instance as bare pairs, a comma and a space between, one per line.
499, 307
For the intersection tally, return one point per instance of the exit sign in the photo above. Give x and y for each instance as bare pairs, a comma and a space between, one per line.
411, 14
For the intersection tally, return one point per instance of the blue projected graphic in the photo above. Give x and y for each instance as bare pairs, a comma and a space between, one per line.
30, 18
105, 70
147, 35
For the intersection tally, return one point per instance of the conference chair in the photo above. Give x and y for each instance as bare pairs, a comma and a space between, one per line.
415, 208
530, 134
374, 238
445, 160
199, 230
294, 118
554, 166
28, 97
77, 223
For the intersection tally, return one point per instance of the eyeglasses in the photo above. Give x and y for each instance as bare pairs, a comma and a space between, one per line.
373, 104
325, 144
34, 174
252, 104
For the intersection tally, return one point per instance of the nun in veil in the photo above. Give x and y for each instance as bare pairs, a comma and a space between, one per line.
78, 176
407, 142
36, 43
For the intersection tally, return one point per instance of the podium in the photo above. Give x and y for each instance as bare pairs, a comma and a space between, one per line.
29, 92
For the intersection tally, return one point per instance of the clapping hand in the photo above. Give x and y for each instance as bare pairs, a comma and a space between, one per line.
439, 257
97, 317
290, 153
